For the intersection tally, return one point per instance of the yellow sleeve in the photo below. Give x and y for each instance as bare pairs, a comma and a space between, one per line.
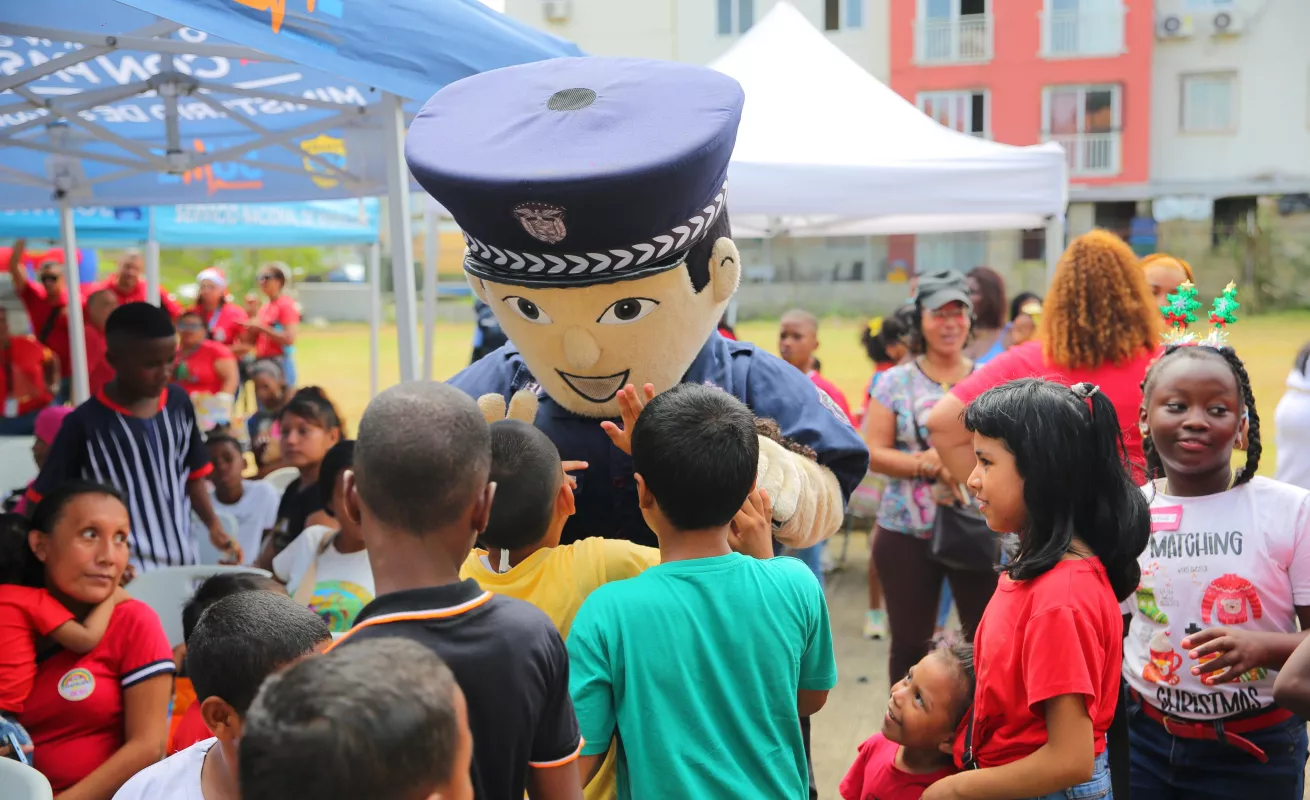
624, 559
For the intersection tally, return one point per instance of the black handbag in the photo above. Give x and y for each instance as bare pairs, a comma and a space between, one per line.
960, 537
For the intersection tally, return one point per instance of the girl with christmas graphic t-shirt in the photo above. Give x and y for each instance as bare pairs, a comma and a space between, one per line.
1225, 579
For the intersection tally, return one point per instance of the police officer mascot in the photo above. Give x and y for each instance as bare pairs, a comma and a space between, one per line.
592, 193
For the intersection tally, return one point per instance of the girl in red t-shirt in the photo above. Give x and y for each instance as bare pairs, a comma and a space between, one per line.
1049, 648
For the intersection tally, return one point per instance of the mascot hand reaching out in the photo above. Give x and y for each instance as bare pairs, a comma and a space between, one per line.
592, 194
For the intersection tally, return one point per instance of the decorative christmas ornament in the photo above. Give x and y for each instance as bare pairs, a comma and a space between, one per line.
1180, 312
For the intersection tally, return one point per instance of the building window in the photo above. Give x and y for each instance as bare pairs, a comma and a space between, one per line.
967, 112
1208, 103
953, 32
735, 16
834, 19
1082, 28
1087, 121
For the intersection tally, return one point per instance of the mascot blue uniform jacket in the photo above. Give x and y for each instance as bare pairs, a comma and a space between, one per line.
592, 193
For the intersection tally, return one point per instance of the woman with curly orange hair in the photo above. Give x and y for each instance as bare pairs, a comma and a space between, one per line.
1164, 273
1099, 325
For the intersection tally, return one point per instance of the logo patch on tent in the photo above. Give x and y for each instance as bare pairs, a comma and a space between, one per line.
77, 684
330, 149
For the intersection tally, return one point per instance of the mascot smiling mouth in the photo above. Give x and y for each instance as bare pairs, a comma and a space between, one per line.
596, 389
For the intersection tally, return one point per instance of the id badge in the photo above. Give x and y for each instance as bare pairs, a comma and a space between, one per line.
11, 406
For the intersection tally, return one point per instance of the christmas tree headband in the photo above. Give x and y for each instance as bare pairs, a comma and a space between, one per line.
1180, 312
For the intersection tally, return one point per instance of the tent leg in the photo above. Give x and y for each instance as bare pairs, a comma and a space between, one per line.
1054, 244
402, 243
374, 314
76, 331
152, 259
429, 291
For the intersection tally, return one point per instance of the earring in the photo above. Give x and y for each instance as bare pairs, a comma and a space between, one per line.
1144, 428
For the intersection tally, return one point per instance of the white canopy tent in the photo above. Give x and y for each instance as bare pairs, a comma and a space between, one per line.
825, 149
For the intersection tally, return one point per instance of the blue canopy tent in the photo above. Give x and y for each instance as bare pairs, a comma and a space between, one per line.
121, 104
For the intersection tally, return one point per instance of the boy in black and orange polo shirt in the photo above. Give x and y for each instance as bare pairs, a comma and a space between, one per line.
29, 377
420, 493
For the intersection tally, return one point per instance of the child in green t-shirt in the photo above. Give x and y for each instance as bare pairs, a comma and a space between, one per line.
703, 665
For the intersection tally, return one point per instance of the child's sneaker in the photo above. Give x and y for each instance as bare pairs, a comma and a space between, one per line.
875, 624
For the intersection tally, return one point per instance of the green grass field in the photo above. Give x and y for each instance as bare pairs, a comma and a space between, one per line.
336, 358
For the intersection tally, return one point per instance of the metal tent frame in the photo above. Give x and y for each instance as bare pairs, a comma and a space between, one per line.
59, 131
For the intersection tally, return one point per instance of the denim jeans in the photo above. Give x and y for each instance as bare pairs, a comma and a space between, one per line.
21, 425
1165, 767
812, 556
1098, 788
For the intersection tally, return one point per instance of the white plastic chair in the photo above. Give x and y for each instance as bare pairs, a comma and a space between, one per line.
280, 479
168, 589
17, 469
21, 782
206, 553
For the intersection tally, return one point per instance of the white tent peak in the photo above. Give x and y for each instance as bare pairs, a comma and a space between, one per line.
822, 142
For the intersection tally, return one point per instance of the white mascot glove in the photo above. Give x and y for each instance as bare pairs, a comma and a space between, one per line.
807, 501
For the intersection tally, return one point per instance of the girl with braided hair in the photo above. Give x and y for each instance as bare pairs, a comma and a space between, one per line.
1225, 581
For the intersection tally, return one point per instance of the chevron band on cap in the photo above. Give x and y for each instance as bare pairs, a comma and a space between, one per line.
657, 254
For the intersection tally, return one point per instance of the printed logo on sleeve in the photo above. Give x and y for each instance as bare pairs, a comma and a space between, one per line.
1168, 518
77, 684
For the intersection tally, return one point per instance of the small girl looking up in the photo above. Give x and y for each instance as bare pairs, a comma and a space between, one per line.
1048, 651
1225, 579
913, 750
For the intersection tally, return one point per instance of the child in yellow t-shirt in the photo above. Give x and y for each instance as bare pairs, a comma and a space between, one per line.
524, 559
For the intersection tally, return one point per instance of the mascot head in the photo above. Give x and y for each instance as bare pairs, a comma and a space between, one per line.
592, 194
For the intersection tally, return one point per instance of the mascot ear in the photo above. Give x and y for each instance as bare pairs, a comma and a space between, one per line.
479, 289
725, 269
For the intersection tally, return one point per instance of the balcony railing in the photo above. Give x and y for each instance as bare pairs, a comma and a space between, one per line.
1082, 33
1089, 154
961, 40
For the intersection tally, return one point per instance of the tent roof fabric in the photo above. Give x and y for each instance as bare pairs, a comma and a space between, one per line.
832, 151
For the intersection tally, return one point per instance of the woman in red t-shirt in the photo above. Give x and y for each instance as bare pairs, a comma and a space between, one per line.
273, 331
1049, 650
1099, 325
95, 719
223, 320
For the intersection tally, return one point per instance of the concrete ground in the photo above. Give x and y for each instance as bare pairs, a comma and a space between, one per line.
856, 705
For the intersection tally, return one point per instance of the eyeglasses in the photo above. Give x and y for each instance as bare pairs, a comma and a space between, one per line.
190, 326
263, 278
50, 278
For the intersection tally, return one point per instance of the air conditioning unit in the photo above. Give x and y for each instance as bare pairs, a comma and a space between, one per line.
556, 10
1227, 23
1173, 26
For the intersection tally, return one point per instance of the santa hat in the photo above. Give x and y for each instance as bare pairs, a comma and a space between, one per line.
214, 275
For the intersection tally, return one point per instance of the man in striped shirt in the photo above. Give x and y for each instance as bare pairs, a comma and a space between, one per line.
139, 435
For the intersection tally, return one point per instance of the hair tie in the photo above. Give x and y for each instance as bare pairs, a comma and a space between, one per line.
875, 326
1086, 391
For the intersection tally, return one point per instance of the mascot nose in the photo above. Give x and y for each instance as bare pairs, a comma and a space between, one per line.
580, 348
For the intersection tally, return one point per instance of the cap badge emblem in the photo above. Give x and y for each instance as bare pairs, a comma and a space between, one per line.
542, 221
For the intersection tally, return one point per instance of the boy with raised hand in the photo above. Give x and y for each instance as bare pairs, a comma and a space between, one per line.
329, 729
524, 559
702, 665
420, 492
238, 642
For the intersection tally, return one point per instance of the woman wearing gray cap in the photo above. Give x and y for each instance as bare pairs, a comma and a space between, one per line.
917, 481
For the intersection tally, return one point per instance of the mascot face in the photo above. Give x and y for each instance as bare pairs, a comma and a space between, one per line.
585, 343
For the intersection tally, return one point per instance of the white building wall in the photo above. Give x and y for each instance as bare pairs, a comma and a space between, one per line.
1267, 150
687, 30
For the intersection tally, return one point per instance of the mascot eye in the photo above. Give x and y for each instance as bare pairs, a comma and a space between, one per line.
628, 310
527, 309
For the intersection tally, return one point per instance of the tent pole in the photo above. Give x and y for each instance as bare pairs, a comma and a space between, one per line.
374, 313
402, 243
76, 332
152, 259
1054, 244
429, 290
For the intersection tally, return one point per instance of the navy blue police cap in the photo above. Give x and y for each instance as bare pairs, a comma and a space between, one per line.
578, 171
